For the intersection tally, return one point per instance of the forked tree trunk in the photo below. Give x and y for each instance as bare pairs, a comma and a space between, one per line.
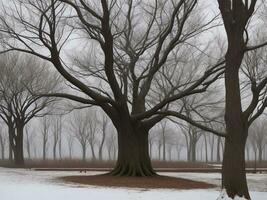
133, 152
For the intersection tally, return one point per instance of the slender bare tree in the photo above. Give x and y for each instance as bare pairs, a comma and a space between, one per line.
80, 125
70, 141
28, 141
92, 133
237, 16
112, 146
56, 132
46, 123
258, 138
3, 143
104, 128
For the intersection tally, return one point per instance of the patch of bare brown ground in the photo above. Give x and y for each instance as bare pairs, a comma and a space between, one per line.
138, 182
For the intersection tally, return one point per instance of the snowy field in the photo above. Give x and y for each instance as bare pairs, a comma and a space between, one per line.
40, 185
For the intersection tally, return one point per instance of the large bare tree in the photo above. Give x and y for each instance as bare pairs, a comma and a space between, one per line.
130, 50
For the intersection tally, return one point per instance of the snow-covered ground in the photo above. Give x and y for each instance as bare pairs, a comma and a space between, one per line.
41, 185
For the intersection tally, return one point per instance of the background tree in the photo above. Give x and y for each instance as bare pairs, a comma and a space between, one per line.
92, 132
112, 146
45, 135
104, 126
80, 125
70, 142
3, 143
28, 141
258, 138
56, 131
22, 75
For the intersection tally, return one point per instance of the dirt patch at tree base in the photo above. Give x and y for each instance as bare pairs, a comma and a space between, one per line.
164, 182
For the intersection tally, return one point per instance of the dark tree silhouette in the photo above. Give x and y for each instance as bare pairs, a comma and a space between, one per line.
236, 15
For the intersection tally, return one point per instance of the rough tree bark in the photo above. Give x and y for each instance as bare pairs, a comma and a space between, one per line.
236, 15
18, 148
233, 170
133, 152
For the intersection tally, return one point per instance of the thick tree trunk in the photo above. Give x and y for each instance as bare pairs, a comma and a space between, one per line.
133, 153
18, 153
11, 134
233, 169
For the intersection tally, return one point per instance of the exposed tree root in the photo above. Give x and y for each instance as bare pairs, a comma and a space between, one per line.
132, 170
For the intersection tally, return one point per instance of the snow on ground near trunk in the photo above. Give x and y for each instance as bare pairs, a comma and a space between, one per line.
256, 182
31, 185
